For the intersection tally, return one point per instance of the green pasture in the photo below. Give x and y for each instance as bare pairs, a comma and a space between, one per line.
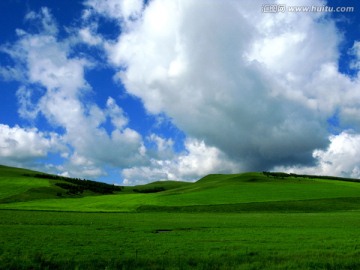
69, 240
241, 221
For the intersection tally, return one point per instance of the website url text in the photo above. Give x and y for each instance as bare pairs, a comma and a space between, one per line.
276, 8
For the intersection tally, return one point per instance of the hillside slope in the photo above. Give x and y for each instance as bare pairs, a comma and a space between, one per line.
213, 193
20, 185
14, 186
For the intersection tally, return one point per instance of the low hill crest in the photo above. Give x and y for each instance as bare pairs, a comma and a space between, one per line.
253, 191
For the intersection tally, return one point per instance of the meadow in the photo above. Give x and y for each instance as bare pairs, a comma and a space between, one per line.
244, 221
65, 240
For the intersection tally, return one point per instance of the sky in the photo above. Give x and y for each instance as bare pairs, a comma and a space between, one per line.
130, 91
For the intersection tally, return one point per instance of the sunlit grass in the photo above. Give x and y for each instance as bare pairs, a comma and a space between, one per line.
13, 182
14, 186
180, 241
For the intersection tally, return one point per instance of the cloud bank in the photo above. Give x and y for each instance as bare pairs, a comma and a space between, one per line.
251, 91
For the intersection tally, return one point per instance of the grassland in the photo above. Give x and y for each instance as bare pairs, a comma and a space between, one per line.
9, 187
244, 221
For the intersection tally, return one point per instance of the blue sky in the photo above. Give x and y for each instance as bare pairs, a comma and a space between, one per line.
127, 92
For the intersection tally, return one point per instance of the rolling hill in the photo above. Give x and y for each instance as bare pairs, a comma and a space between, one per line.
18, 185
247, 192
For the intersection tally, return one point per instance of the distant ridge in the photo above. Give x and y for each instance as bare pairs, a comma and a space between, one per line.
309, 176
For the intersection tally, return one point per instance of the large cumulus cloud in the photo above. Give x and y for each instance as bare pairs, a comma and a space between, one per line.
260, 88
229, 75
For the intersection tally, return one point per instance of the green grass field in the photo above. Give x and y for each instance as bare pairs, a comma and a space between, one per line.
243, 221
12, 182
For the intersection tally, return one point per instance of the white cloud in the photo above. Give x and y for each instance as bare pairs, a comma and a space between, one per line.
23, 145
341, 158
43, 20
198, 160
202, 160
355, 51
163, 147
27, 109
10, 73
86, 34
116, 114
124, 10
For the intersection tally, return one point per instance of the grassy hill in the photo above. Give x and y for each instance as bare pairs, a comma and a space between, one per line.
14, 186
21, 185
23, 189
